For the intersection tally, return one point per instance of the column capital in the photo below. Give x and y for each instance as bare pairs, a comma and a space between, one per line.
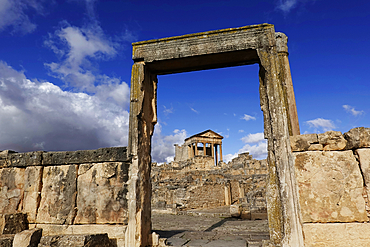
281, 43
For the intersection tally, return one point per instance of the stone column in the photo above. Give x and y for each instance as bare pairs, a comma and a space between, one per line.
143, 99
221, 153
196, 148
227, 193
189, 151
212, 151
216, 154
241, 190
204, 149
282, 49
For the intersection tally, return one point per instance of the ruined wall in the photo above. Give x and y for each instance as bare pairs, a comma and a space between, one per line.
333, 178
181, 152
67, 192
197, 183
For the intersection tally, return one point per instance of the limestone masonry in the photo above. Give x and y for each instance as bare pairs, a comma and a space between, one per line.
81, 192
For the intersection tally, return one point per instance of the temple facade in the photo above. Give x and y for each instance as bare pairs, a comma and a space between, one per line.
206, 143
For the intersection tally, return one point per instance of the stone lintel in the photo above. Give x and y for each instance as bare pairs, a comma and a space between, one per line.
206, 50
40, 158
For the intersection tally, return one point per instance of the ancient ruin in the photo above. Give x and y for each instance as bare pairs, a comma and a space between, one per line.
315, 187
212, 146
215, 49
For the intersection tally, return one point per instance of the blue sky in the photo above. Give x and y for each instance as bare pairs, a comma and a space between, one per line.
65, 69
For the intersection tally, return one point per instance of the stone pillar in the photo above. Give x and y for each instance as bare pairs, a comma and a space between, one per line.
189, 151
212, 151
241, 190
204, 149
216, 154
196, 148
227, 193
282, 49
221, 153
143, 99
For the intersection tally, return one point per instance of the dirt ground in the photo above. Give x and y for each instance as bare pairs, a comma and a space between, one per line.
205, 228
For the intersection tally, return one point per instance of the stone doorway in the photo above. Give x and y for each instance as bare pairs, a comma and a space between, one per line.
216, 49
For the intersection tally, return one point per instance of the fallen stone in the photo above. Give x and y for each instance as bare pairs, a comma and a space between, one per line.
28, 238
13, 223
330, 187
332, 140
357, 138
235, 210
6, 240
302, 142
58, 195
97, 240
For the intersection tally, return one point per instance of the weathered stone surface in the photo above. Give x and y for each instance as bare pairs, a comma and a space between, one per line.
58, 195
6, 240
11, 189
364, 159
4, 161
96, 240
113, 231
13, 223
336, 234
32, 189
28, 238
302, 142
102, 193
332, 140
235, 210
25, 159
85, 156
357, 138
330, 187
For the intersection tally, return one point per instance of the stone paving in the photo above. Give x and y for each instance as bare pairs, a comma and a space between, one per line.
206, 228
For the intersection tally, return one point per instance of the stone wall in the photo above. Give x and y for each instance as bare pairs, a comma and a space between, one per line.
333, 178
197, 183
67, 192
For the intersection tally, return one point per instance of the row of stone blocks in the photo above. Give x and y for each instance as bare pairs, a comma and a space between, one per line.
15, 232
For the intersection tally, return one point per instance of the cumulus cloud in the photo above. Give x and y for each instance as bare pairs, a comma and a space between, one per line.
163, 149
321, 123
248, 117
352, 110
258, 149
77, 48
41, 116
13, 14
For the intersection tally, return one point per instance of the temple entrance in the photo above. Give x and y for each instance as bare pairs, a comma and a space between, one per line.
216, 49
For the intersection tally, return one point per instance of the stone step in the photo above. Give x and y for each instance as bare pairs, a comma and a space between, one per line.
77, 240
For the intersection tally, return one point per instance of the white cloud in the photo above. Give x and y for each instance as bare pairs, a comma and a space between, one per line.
324, 124
248, 117
241, 131
253, 138
167, 111
287, 5
163, 149
191, 108
258, 150
77, 47
41, 116
352, 110
13, 14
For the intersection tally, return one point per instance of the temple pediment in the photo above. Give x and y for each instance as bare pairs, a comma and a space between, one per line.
207, 134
